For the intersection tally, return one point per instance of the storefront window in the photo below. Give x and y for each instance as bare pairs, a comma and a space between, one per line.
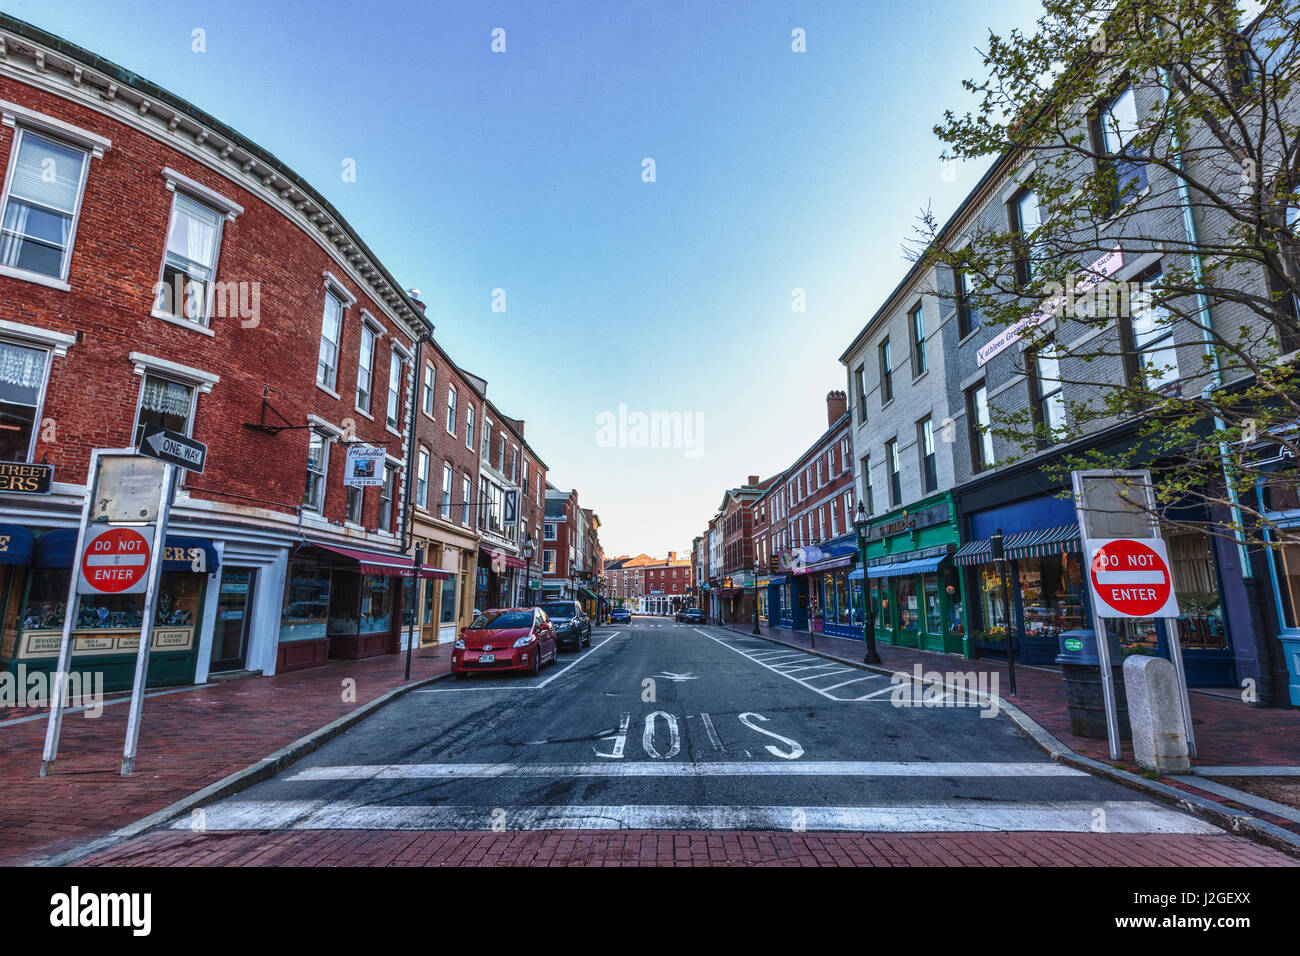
880, 602
991, 606
1051, 592
1200, 621
956, 613
376, 603
345, 596
1289, 583
905, 589
842, 615
855, 595
47, 600
448, 600
306, 601
785, 601
930, 587
1282, 492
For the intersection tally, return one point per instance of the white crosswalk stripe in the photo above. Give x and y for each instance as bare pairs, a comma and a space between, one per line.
803, 668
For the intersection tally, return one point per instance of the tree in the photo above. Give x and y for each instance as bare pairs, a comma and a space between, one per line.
1160, 130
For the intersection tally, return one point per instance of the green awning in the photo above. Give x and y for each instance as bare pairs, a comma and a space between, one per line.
590, 594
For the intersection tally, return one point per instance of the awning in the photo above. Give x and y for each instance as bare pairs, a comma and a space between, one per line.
589, 593
828, 564
1023, 544
901, 568
553, 587
55, 549
385, 564
16, 544
501, 557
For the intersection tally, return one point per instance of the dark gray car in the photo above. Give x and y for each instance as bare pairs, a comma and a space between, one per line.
572, 625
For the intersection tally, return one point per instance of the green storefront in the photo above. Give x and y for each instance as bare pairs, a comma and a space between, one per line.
912, 585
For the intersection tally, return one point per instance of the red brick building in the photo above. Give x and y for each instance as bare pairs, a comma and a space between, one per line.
737, 564
666, 585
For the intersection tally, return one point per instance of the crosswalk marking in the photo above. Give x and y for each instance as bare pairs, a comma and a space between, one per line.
787, 663
1122, 816
854, 681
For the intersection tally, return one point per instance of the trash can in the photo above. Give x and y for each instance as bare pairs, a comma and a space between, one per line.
1081, 668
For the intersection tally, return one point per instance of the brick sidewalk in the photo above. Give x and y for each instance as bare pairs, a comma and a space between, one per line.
682, 848
1228, 732
188, 740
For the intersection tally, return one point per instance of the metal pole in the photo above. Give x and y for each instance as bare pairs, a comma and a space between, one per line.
410, 642
1006, 616
58, 689
146, 627
1107, 684
1176, 655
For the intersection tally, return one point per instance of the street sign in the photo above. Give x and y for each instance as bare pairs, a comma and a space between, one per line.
173, 448
364, 467
115, 561
1131, 578
511, 507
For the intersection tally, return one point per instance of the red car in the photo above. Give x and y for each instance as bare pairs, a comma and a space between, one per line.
505, 639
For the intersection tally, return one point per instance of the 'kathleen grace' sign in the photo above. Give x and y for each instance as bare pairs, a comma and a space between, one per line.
1102, 269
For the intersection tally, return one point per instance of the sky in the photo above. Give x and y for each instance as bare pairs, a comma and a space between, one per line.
621, 212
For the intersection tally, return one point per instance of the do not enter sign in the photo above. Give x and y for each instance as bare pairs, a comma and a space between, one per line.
1131, 578
116, 561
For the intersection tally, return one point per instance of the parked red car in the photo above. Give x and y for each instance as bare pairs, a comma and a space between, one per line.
505, 639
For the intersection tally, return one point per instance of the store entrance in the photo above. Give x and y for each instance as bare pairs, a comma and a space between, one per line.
234, 614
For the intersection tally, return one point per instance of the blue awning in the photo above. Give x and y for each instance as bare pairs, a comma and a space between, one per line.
56, 549
16, 544
917, 566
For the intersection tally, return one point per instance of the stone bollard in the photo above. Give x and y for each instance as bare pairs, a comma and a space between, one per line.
1155, 713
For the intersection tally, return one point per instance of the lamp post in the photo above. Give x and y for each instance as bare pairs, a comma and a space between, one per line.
860, 524
755, 597
999, 555
527, 551
415, 611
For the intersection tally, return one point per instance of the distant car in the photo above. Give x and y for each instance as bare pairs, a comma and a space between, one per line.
505, 639
690, 615
620, 615
572, 625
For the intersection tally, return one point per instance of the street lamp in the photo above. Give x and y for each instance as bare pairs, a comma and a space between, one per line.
755, 597
860, 524
415, 611
998, 553
528, 551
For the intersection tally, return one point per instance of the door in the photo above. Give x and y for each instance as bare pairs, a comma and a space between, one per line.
234, 613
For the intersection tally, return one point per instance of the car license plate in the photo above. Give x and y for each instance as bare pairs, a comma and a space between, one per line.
487, 658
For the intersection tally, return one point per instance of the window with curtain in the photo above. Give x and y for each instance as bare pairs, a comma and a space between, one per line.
45, 189
327, 364
190, 262
22, 386
356, 500
165, 404
422, 480
313, 497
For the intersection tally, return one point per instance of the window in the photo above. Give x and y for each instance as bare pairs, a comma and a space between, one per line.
968, 314
46, 184
487, 438
1049, 406
845, 447
868, 497
918, 340
977, 424
525, 494
1025, 219
925, 444
427, 400
860, 380
501, 455
1151, 339
1115, 128
313, 498
22, 391
548, 531
895, 478
355, 503
365, 367
164, 403
469, 427
514, 463
819, 472
386, 499
396, 371
548, 561
886, 373
422, 480
446, 490
327, 366
451, 409
465, 493
190, 260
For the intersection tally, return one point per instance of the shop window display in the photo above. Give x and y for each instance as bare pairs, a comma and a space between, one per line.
1200, 619
905, 589
306, 601
991, 605
376, 609
1051, 594
842, 607
930, 588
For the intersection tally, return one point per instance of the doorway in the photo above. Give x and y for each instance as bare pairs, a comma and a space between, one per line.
234, 615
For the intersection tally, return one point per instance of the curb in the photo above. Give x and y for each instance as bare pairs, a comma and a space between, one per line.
1237, 822
263, 769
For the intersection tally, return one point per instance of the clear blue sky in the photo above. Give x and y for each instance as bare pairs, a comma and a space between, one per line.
522, 170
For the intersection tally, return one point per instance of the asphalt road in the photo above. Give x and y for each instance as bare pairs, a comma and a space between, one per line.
671, 726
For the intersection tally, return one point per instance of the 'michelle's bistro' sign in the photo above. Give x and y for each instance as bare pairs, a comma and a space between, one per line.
1066, 299
18, 477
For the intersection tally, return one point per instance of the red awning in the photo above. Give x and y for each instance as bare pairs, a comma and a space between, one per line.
509, 560
384, 564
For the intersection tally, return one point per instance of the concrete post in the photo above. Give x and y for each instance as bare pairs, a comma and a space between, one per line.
1155, 713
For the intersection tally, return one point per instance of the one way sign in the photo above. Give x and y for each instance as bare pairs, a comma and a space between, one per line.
173, 448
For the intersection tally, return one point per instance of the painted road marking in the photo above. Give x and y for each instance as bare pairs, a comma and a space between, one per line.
713, 734
648, 735
765, 661
796, 751
854, 681
620, 739
1122, 816
655, 768
521, 686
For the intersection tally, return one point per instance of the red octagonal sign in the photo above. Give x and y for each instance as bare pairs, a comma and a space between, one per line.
1131, 578
116, 561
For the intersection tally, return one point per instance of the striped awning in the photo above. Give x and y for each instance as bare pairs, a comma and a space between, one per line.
1023, 544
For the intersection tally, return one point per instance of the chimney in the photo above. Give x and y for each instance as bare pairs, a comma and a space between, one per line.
753, 480
837, 403
672, 556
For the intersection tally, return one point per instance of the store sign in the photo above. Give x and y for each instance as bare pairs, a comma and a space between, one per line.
116, 561
1131, 578
364, 467
19, 478
511, 507
925, 518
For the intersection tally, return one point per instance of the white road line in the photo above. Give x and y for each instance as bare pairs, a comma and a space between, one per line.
659, 768
1122, 816
835, 673
514, 687
750, 657
713, 734
854, 681
809, 667
877, 693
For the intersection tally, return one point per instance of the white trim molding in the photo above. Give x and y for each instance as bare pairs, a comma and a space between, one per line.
60, 342
211, 197
335, 285
197, 377
324, 425
12, 114
373, 324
